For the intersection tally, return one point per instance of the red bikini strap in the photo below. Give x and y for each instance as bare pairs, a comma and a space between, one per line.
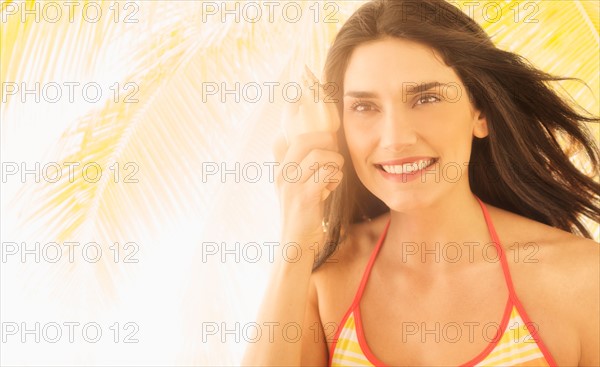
501, 252
367, 271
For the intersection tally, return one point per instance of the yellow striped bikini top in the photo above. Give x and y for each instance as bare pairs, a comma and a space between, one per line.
518, 345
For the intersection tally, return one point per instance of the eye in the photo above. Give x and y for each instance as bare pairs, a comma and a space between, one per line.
425, 99
361, 106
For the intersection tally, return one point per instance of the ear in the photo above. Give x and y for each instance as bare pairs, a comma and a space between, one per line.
480, 128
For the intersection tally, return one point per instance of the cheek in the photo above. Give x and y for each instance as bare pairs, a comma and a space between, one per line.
454, 136
453, 123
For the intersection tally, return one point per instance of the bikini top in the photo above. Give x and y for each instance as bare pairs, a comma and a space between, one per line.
518, 346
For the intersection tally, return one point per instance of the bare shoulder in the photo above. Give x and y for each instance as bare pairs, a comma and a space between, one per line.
337, 280
553, 249
549, 265
355, 249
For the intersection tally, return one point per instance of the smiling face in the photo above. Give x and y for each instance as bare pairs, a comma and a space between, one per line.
408, 123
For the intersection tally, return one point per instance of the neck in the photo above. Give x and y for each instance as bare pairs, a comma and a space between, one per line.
434, 235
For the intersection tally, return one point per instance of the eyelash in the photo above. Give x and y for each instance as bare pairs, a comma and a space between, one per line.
355, 105
428, 96
358, 103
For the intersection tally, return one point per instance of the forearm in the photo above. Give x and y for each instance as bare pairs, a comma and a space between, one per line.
284, 305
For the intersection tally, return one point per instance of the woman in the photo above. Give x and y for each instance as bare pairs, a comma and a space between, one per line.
455, 236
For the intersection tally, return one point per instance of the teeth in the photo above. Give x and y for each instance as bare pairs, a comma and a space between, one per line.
408, 167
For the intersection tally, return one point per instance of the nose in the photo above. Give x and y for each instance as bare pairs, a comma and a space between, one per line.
397, 131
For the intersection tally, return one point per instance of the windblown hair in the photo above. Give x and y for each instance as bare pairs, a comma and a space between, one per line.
521, 165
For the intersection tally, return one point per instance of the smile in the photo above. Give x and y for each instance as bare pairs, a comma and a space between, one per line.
406, 171
408, 167
400, 169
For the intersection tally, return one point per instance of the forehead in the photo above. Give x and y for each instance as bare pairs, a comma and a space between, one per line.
389, 62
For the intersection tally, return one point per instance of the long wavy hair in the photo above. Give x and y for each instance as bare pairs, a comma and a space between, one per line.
521, 165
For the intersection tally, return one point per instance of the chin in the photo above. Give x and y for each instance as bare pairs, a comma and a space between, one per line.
407, 201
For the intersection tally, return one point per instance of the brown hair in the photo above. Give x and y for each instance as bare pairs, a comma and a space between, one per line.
520, 166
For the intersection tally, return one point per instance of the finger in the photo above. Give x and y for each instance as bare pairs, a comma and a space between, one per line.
309, 79
301, 145
329, 109
319, 187
320, 165
316, 111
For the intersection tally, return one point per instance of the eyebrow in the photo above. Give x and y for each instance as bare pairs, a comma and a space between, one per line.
358, 94
413, 88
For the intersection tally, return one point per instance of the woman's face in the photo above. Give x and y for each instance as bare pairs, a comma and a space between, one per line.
408, 123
